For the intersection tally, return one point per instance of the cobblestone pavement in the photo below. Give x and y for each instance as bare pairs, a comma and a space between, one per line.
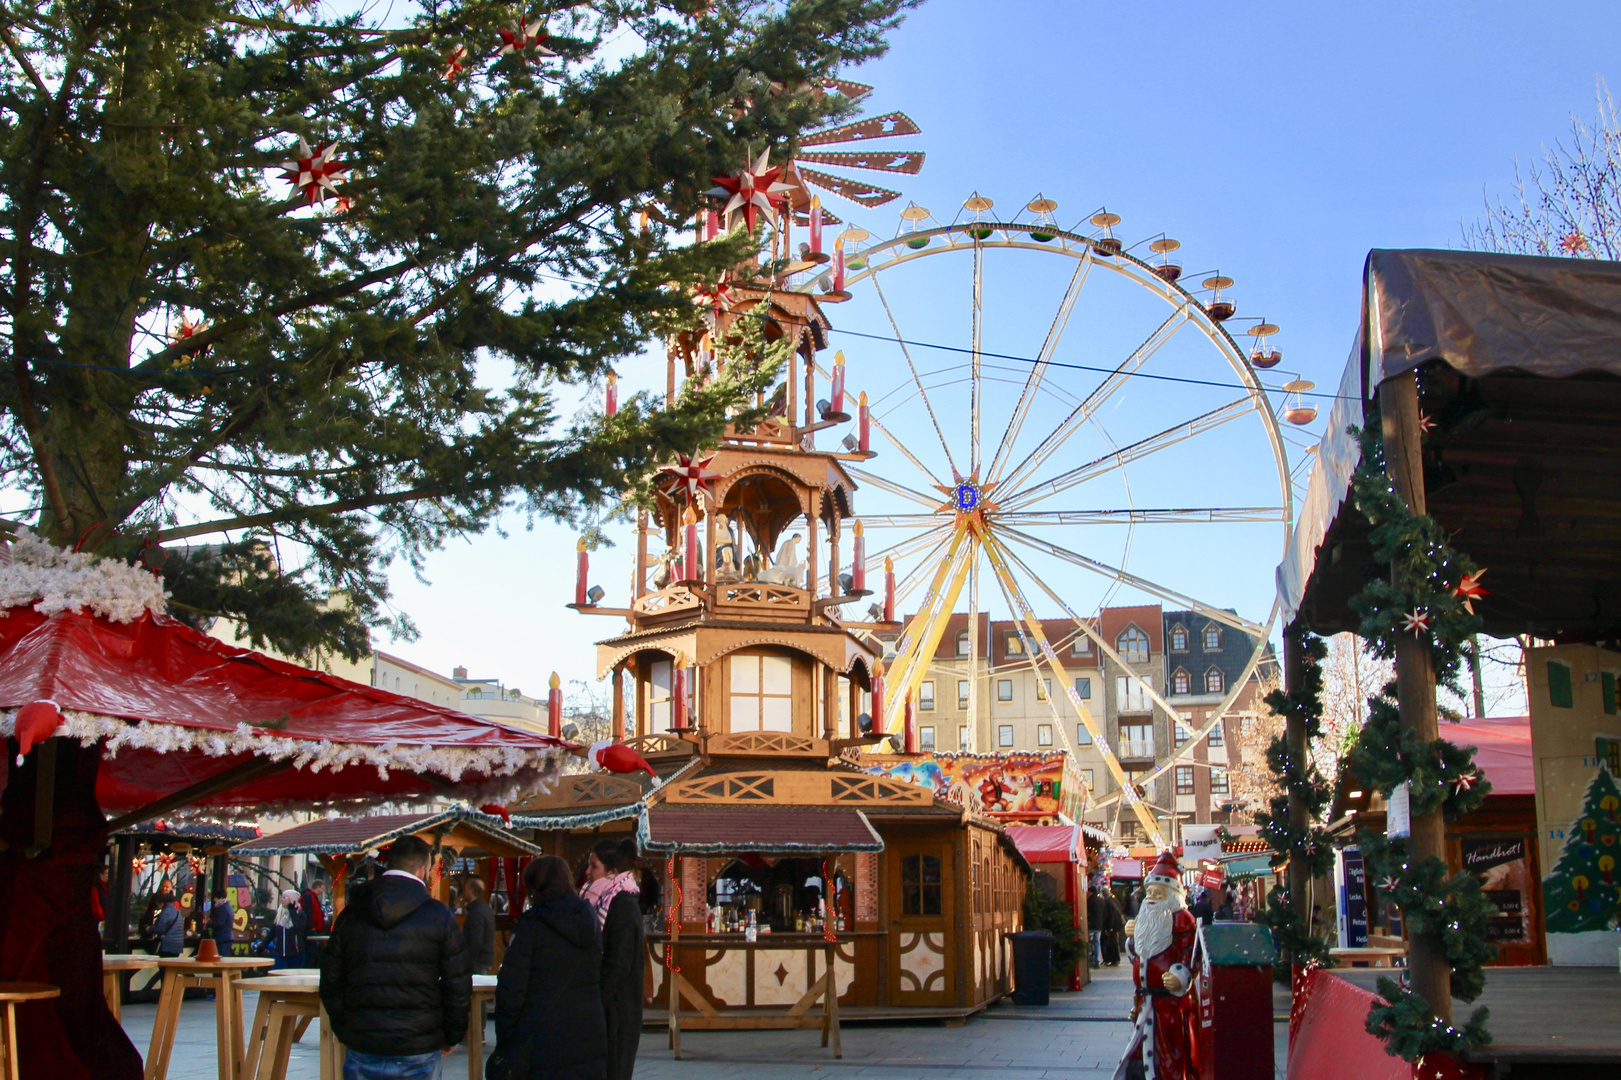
1078, 1037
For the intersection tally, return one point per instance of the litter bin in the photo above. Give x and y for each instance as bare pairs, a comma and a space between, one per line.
1032, 966
1235, 1001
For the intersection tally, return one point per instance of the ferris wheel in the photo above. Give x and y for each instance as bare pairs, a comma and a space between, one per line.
1064, 423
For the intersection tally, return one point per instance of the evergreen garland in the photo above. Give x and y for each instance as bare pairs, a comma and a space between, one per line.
1302, 780
1423, 597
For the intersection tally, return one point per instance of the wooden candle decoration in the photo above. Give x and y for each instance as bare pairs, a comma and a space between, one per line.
858, 562
864, 428
889, 589
582, 566
554, 708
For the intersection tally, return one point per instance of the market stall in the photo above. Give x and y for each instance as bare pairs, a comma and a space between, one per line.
1057, 858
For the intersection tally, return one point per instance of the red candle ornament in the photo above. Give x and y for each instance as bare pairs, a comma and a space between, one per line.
554, 709
613, 395
858, 562
711, 225
816, 225
889, 589
863, 430
692, 566
877, 699
836, 405
838, 265
582, 566
911, 726
678, 693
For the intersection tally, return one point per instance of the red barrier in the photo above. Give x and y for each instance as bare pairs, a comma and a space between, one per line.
1329, 1039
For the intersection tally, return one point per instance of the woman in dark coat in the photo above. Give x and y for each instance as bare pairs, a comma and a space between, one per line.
1114, 930
614, 893
548, 1009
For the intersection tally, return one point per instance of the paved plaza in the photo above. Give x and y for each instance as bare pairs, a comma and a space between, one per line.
1077, 1037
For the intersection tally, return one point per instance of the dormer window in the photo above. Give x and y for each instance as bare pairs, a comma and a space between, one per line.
1179, 638
1214, 682
1181, 682
1132, 645
1212, 638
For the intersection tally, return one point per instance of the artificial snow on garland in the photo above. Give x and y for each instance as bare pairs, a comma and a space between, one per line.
36, 573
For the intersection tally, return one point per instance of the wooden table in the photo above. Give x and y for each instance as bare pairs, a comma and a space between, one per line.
224, 977
798, 1016
1373, 957
113, 966
287, 1005
483, 990
10, 994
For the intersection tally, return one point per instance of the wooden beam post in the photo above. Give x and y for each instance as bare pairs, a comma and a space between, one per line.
1429, 973
617, 707
1294, 736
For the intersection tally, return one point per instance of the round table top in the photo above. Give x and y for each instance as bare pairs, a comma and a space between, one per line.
26, 991
127, 961
224, 963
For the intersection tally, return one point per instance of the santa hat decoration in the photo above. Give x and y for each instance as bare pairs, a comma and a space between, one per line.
36, 722
497, 810
618, 758
1165, 872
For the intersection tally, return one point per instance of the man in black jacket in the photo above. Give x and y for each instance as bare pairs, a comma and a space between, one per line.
478, 927
395, 978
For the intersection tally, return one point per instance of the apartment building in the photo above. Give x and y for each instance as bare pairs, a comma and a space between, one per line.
1203, 659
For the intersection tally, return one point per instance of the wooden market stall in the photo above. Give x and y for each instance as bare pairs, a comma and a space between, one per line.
1497, 385
1057, 858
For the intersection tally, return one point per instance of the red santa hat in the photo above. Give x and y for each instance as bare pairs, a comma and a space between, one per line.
1165, 871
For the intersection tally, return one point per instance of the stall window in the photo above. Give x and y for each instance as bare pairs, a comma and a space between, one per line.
1004, 689
1218, 781
762, 692
925, 695
925, 739
1004, 735
1184, 779
658, 695
1083, 737
920, 885
1044, 734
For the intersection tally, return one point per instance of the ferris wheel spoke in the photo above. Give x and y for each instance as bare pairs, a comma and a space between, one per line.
906, 548
974, 389
933, 502
1101, 394
1198, 515
900, 340
906, 453
1115, 573
899, 521
1171, 436
1038, 373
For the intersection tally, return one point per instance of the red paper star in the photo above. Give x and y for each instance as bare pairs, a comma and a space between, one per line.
524, 37
1469, 589
688, 476
1425, 423
751, 190
1388, 884
314, 172
188, 329
138, 865
1465, 781
198, 864
1415, 621
717, 296
1573, 243
453, 62
166, 862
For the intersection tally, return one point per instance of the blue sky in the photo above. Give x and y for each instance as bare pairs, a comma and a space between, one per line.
1278, 142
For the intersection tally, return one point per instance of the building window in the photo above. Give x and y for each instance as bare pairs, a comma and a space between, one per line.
1083, 737
1181, 683
1044, 689
964, 643
962, 693
1081, 646
1179, 731
1184, 779
1013, 644
1217, 738
1179, 638
1212, 638
925, 695
1132, 645
1044, 734
762, 693
1004, 689
1087, 774
925, 739
1213, 682
658, 695
1137, 740
921, 885
1218, 781
1083, 688
1004, 735
1130, 695
962, 738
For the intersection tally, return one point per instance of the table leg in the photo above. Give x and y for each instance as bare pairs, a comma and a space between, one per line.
225, 1057
303, 1026
475, 1040
8, 1043
832, 1000
170, 995
332, 1051
675, 1011
110, 991
234, 981
257, 1036
278, 1042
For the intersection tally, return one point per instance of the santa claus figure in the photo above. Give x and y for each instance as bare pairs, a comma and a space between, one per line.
1164, 1040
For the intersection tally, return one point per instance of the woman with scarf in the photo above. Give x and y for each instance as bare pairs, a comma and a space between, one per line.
287, 935
612, 892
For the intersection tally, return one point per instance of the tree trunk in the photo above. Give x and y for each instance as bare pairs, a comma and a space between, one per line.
1429, 972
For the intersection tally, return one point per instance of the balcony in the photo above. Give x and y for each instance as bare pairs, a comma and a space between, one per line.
1135, 749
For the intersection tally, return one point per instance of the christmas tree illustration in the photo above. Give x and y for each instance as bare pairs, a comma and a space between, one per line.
1583, 892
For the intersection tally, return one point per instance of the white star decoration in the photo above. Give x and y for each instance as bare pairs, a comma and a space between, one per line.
523, 37
688, 476
751, 190
314, 172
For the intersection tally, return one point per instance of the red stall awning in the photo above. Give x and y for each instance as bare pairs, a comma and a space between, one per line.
1049, 843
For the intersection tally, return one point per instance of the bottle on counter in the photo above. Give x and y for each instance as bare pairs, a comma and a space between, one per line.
751, 932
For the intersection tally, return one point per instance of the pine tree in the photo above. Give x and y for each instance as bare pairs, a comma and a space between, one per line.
191, 336
1584, 891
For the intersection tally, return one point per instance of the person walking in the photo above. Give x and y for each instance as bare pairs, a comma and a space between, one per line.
287, 932
478, 927
549, 1022
222, 922
1114, 930
1095, 918
314, 891
614, 894
1202, 909
169, 924
395, 977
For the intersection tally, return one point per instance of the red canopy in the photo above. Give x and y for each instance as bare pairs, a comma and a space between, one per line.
173, 707
1048, 843
1502, 750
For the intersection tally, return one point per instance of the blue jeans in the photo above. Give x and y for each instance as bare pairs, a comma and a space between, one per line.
392, 1067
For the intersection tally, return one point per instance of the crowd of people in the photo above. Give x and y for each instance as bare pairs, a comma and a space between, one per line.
396, 973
